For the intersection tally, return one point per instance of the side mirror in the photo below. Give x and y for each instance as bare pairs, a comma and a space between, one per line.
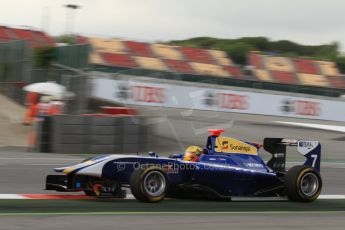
153, 154
176, 156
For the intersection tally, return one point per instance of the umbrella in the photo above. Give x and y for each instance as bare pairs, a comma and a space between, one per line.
47, 88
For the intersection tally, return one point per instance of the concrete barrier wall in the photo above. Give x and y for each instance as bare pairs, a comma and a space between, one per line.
91, 134
204, 97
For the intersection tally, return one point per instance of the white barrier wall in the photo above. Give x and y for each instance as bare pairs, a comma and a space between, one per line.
178, 96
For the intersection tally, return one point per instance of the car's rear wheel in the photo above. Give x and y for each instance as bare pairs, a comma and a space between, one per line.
303, 184
148, 184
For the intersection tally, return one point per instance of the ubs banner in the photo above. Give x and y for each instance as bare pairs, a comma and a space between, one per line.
178, 96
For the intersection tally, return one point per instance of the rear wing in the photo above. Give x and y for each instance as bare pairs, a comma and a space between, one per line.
311, 150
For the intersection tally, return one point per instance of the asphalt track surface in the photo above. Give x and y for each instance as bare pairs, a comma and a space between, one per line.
24, 172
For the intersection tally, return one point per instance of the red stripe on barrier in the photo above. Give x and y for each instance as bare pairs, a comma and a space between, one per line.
118, 110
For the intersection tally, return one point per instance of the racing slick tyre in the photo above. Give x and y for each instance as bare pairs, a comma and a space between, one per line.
148, 184
302, 184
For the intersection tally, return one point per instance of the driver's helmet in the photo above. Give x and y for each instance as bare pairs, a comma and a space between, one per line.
192, 153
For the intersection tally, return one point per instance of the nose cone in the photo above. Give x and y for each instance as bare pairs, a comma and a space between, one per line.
60, 170
77, 167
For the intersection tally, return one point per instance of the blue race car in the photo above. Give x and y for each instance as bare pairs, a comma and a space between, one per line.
226, 167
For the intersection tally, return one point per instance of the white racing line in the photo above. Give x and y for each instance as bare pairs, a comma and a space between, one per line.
333, 165
44, 164
321, 197
41, 158
131, 197
336, 128
38, 161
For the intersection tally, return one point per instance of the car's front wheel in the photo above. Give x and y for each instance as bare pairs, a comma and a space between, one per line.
148, 184
303, 183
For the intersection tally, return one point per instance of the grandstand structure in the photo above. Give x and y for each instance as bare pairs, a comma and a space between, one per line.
197, 61
295, 71
190, 64
34, 38
161, 57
